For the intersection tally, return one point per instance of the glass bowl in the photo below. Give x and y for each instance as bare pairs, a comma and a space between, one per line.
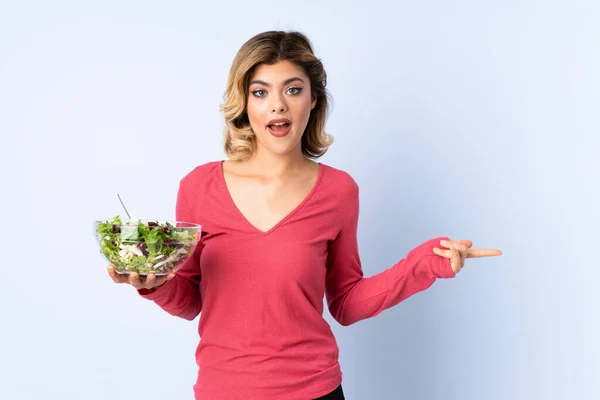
144, 246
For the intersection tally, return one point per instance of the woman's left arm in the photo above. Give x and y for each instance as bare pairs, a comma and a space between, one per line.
351, 297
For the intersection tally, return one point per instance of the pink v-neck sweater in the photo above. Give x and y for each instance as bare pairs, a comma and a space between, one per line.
260, 294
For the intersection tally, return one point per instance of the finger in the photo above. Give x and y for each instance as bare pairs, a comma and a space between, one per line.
150, 281
477, 253
456, 261
462, 251
135, 280
448, 254
442, 252
454, 245
116, 277
466, 243
459, 246
153, 281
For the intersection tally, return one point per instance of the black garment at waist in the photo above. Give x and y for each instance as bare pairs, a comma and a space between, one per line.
337, 394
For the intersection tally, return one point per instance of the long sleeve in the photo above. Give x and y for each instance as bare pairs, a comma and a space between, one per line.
351, 297
180, 296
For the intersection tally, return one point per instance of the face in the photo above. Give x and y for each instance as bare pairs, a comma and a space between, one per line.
279, 105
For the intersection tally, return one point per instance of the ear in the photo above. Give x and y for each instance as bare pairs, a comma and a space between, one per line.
313, 104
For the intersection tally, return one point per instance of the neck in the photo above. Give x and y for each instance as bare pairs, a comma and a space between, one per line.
271, 165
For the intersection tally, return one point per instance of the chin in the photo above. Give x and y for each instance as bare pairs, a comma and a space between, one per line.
281, 145
282, 150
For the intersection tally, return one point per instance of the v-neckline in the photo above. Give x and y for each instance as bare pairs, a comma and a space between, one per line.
285, 217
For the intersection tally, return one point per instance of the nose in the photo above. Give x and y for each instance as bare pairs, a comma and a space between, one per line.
278, 104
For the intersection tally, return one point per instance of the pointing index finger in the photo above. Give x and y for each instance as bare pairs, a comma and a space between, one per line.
477, 253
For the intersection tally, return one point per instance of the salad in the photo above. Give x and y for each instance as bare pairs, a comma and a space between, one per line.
146, 247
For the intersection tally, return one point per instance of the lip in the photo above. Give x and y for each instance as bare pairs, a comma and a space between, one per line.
275, 121
279, 133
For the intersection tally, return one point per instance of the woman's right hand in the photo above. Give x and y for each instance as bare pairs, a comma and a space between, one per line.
151, 281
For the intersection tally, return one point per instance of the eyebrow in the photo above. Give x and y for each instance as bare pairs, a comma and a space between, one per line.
286, 82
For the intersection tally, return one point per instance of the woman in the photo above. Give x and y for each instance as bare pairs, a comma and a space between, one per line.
279, 235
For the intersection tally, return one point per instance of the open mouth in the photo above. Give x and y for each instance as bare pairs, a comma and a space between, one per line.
279, 128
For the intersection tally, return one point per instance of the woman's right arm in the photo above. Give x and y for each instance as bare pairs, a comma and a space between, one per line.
179, 293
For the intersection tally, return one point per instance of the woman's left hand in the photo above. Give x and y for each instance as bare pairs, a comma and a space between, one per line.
459, 250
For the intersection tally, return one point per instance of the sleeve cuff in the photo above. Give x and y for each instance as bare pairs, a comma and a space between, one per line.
442, 268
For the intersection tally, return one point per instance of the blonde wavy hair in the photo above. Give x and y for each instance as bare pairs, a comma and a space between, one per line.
269, 48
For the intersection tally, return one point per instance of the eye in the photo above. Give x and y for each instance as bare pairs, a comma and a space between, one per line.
294, 90
259, 92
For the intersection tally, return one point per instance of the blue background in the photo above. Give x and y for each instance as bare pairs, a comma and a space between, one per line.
473, 119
